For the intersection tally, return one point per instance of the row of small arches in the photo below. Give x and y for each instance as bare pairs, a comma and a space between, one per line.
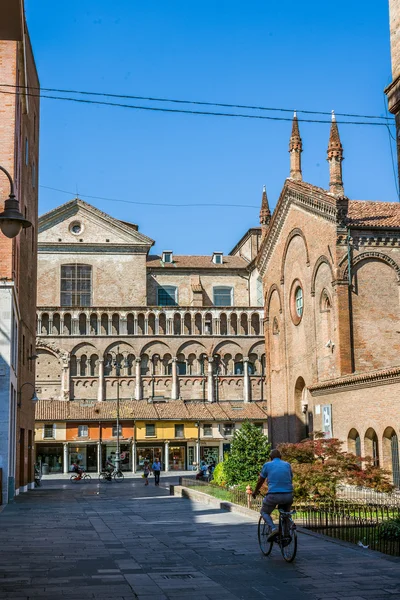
146, 324
390, 447
125, 364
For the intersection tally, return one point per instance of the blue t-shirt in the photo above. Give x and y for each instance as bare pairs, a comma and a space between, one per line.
278, 474
156, 466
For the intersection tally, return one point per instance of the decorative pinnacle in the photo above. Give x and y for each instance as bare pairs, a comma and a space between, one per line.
295, 139
333, 116
335, 147
265, 213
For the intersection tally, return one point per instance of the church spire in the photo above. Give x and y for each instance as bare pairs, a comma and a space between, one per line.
335, 157
265, 213
295, 150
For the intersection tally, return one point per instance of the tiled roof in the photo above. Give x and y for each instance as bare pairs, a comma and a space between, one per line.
197, 262
366, 213
177, 410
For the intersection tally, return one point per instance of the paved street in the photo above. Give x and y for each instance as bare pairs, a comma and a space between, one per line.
125, 541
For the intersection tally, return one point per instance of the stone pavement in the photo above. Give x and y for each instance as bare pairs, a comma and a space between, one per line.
123, 541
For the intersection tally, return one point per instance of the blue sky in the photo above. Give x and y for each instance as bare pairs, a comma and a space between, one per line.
279, 53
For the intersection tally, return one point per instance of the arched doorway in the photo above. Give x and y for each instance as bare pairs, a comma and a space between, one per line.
354, 442
391, 460
371, 446
300, 415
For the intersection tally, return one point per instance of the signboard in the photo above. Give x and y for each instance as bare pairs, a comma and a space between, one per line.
327, 420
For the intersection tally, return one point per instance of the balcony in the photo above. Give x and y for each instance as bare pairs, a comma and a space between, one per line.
150, 321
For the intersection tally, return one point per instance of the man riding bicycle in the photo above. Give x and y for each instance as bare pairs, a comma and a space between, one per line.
279, 476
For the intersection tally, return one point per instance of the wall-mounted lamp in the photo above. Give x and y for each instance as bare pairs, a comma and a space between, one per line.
34, 397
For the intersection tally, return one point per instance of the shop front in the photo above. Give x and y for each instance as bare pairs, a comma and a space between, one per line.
109, 451
148, 452
209, 454
50, 457
177, 456
86, 454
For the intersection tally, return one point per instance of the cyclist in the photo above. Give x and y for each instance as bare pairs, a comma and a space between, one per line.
76, 467
278, 474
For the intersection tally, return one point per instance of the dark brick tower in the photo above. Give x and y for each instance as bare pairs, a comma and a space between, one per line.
295, 150
335, 157
265, 213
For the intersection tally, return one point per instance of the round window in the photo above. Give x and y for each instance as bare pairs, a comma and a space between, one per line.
76, 227
296, 302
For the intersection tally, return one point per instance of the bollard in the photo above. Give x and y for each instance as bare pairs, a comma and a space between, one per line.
248, 492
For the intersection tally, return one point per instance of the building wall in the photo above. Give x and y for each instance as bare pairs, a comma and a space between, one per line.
60, 432
19, 134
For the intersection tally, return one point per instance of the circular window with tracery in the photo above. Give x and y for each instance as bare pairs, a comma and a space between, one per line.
76, 227
296, 302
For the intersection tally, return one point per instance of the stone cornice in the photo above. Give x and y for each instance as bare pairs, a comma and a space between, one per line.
357, 381
74, 248
309, 198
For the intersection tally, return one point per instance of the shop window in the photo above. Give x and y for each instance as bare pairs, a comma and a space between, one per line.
228, 428
48, 431
150, 430
83, 430
207, 429
115, 430
179, 431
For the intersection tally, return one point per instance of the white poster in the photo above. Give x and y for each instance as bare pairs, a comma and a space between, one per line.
327, 420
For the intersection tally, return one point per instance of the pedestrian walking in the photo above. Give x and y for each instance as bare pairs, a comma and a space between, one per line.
146, 472
156, 468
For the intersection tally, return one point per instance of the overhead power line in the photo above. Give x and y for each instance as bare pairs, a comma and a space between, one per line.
74, 194
193, 112
195, 102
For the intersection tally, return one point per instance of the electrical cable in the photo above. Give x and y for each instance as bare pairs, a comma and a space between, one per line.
194, 112
196, 102
148, 203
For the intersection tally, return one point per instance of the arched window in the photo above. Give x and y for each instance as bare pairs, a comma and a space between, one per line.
259, 292
76, 285
371, 446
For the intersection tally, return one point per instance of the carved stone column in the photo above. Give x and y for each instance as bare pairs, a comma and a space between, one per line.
210, 380
246, 379
65, 375
138, 380
175, 383
100, 389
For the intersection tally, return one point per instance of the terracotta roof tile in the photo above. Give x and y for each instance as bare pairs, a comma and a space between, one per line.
357, 378
196, 262
178, 410
365, 213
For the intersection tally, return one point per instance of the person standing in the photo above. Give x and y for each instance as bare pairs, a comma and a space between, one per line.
146, 472
156, 468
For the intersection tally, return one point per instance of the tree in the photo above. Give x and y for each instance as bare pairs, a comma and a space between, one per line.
249, 451
319, 465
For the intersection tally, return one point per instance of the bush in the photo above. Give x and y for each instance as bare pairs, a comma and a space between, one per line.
219, 476
389, 530
319, 465
249, 451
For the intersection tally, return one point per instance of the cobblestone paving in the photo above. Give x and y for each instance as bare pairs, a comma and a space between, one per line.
123, 541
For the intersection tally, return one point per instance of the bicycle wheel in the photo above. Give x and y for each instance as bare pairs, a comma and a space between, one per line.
288, 541
103, 477
87, 477
74, 477
263, 532
118, 476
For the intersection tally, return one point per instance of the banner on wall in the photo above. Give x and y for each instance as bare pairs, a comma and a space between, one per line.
327, 420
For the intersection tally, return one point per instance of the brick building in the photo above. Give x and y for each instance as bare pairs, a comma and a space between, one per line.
184, 332
331, 274
393, 90
19, 136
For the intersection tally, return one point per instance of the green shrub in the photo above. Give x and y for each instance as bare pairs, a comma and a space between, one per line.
390, 529
249, 451
219, 476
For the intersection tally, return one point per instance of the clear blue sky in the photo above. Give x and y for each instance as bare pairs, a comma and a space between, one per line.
284, 53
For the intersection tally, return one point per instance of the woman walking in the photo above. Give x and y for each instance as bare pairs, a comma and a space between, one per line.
146, 472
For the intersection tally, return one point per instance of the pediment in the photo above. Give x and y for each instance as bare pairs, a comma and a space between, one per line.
78, 222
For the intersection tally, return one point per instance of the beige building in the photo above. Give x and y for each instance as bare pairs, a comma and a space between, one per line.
115, 321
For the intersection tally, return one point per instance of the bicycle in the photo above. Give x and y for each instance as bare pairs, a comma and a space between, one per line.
286, 538
84, 476
117, 475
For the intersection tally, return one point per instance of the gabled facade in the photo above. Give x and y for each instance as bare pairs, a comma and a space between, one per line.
331, 270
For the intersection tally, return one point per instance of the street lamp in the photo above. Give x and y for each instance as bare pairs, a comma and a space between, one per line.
11, 220
34, 397
117, 366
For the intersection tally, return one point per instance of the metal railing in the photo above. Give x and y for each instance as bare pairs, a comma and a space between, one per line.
360, 521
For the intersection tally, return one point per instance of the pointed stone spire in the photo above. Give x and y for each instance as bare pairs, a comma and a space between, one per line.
295, 150
265, 213
335, 157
